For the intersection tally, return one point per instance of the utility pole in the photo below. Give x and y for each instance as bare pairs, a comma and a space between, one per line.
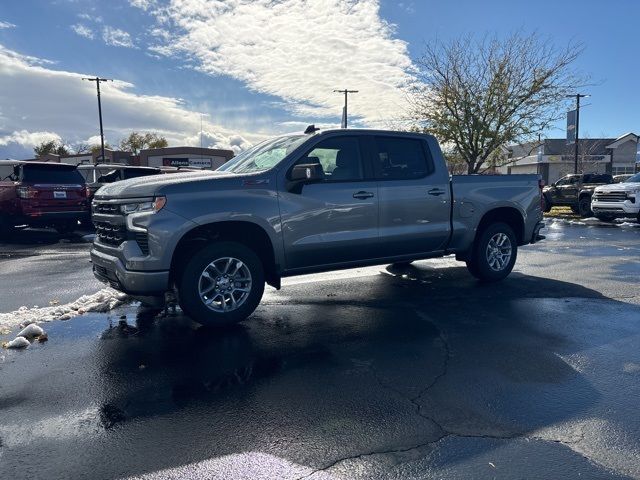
98, 80
344, 109
577, 96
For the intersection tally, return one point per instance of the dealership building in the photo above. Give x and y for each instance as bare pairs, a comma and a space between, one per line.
192, 157
554, 158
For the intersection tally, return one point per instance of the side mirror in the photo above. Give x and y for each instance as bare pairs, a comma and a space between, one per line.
306, 173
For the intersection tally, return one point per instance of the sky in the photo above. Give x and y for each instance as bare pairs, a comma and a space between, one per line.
245, 70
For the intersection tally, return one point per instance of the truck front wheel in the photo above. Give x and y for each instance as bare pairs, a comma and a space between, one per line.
221, 284
584, 207
494, 253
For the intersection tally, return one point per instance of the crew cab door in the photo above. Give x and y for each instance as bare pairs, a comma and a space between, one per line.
336, 219
565, 190
415, 196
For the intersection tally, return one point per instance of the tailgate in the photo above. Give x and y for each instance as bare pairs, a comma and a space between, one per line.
54, 198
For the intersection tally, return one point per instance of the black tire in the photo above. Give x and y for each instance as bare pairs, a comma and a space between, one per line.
188, 285
584, 207
479, 264
546, 204
575, 209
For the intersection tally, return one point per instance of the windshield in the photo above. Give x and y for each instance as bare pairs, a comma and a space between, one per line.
263, 156
633, 179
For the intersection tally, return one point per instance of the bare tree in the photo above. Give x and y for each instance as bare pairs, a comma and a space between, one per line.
81, 147
479, 95
591, 155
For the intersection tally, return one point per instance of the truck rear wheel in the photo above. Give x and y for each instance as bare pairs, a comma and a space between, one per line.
221, 284
494, 253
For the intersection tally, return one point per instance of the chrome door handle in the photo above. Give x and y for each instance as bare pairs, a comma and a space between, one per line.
436, 192
362, 195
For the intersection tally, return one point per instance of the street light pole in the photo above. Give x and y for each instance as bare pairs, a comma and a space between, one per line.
344, 111
98, 80
577, 96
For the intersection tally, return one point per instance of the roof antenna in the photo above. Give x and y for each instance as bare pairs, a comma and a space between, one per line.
311, 129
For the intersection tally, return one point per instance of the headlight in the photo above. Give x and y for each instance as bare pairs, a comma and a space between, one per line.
152, 206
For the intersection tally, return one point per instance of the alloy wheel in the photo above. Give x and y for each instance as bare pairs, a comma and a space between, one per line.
224, 284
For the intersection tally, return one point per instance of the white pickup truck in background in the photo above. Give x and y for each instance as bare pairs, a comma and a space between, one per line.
617, 200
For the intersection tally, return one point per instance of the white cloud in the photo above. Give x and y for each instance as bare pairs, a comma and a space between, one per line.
36, 101
4, 25
296, 50
82, 30
90, 18
25, 138
143, 4
116, 38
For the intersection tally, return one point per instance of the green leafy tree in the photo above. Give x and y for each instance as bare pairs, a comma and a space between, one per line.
479, 95
51, 146
139, 141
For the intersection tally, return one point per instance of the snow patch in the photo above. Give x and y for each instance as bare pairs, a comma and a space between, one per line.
30, 331
18, 342
101, 301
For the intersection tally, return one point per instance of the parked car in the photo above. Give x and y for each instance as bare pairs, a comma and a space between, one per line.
621, 178
98, 175
574, 191
618, 200
41, 194
305, 203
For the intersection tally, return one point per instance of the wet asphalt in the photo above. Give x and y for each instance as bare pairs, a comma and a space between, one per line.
383, 372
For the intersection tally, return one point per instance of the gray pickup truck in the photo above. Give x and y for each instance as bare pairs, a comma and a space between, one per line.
305, 203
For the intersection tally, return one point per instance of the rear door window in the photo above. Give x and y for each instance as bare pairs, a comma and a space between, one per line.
50, 175
401, 158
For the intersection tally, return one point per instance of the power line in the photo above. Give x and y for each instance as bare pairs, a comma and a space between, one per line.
98, 80
344, 109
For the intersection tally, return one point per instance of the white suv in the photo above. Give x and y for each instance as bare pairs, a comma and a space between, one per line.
617, 200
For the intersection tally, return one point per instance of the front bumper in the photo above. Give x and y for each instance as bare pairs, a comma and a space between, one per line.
616, 209
110, 270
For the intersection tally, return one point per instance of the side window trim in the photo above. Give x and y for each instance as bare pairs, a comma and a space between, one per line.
426, 152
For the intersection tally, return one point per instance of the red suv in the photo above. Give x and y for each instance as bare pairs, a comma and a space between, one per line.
41, 194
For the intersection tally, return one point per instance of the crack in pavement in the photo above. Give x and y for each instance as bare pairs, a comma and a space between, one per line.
444, 433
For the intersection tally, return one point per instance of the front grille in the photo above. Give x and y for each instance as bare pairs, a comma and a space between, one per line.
106, 208
110, 234
610, 196
143, 242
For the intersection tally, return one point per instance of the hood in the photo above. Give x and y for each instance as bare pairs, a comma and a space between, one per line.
149, 186
618, 187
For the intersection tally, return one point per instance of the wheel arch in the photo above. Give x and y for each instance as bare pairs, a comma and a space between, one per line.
249, 234
509, 215
585, 193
